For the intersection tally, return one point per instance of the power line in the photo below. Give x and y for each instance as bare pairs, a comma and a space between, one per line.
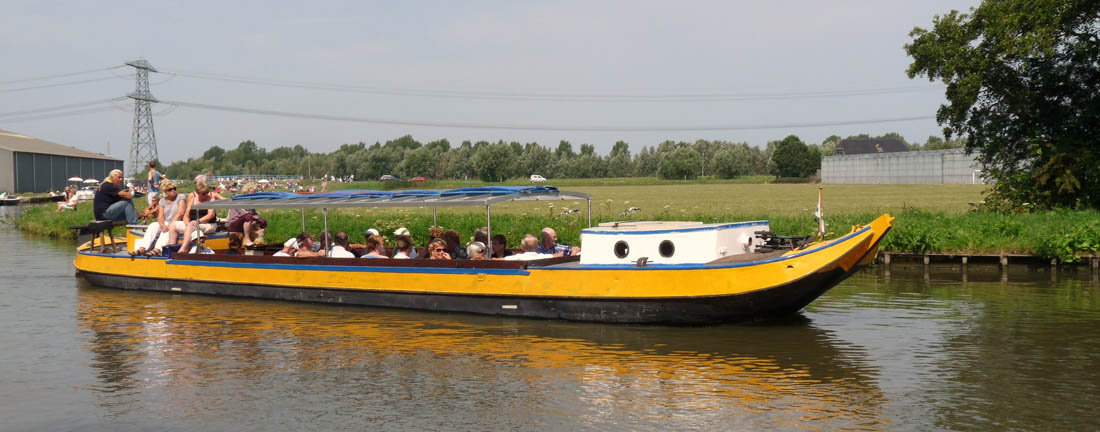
55, 115
567, 97
47, 77
67, 83
59, 107
541, 127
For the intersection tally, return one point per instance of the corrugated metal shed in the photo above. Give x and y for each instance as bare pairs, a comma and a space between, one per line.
21, 143
30, 164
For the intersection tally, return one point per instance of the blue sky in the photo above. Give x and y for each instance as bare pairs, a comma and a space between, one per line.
566, 47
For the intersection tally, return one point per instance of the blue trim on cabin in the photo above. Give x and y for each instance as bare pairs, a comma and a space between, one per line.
367, 269
676, 230
703, 266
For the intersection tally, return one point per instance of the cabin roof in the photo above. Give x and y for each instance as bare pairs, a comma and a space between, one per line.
462, 197
664, 227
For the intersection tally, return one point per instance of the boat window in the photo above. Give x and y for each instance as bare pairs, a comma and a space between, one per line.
622, 249
666, 248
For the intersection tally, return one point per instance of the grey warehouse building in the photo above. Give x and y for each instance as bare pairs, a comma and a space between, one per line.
952, 166
29, 165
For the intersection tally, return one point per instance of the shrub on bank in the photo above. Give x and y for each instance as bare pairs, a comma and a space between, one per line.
1065, 235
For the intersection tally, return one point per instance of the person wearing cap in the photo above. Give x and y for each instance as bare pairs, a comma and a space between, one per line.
305, 247
402, 236
200, 245
403, 248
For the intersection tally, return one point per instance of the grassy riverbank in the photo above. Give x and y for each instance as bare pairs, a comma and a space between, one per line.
930, 218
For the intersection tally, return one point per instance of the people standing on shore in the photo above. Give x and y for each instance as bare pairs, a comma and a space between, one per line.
154, 179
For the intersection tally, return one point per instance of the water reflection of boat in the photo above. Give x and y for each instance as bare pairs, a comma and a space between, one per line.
781, 373
640, 272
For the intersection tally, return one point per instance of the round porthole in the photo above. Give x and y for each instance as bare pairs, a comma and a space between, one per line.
622, 249
666, 248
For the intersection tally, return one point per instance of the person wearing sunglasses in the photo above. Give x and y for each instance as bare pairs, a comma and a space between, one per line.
437, 249
199, 220
168, 227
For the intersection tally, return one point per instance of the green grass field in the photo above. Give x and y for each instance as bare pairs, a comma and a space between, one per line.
930, 218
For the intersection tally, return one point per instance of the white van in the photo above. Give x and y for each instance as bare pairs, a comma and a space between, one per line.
535, 178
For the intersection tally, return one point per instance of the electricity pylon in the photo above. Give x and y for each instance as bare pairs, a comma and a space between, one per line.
143, 143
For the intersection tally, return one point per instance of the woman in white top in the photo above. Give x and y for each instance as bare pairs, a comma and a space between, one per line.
168, 221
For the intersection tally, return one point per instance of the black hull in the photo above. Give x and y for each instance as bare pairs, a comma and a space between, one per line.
752, 306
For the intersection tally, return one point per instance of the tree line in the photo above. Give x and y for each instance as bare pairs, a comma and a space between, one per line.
406, 157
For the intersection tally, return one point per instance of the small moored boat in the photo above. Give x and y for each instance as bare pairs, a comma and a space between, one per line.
627, 272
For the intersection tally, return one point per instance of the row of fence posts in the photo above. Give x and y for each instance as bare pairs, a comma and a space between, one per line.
1094, 265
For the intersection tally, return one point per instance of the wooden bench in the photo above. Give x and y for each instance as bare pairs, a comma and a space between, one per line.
101, 229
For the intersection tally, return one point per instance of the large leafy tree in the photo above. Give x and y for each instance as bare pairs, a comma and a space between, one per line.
494, 162
792, 158
1023, 85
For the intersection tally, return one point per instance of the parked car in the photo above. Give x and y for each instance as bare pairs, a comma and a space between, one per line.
535, 178
388, 177
418, 179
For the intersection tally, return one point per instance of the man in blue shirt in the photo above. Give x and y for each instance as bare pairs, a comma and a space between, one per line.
154, 182
113, 203
549, 245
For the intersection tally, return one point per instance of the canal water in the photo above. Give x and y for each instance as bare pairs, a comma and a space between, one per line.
898, 350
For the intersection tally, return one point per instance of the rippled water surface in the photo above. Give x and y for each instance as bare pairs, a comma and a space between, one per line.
898, 351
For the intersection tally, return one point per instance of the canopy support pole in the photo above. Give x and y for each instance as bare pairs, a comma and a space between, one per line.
303, 220
325, 236
435, 216
489, 228
590, 212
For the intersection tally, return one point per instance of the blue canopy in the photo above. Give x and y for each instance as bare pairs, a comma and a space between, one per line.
468, 196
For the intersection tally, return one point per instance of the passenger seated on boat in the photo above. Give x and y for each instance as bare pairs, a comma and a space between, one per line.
200, 245
376, 247
500, 247
247, 221
437, 249
205, 220
236, 244
433, 233
340, 247
482, 235
454, 244
290, 247
168, 227
475, 250
530, 246
550, 245
113, 203
150, 212
305, 247
404, 232
403, 248
357, 248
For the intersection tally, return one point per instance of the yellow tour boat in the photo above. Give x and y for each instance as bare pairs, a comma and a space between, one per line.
627, 272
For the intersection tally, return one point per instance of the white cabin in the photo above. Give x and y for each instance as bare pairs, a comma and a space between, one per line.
667, 242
